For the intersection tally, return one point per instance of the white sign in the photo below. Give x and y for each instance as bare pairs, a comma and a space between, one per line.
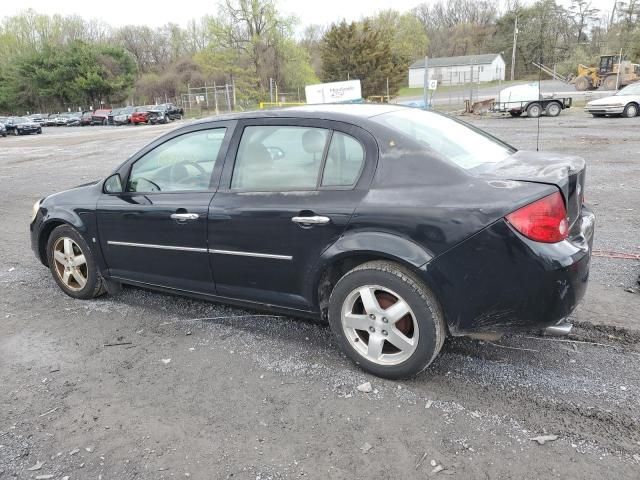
433, 84
334, 92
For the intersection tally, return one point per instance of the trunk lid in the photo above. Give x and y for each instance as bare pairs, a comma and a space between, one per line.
567, 172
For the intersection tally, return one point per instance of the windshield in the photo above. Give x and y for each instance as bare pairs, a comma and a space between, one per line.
21, 120
465, 146
633, 89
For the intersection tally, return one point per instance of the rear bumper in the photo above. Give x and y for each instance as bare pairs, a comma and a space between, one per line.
499, 281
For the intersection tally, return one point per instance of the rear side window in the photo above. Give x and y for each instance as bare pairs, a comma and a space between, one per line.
466, 147
279, 158
344, 161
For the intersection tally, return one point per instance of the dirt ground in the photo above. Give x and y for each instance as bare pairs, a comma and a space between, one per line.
205, 391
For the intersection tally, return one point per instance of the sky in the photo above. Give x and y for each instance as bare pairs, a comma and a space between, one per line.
153, 13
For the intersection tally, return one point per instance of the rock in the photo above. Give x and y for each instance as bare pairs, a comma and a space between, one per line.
365, 387
74, 451
90, 449
37, 466
438, 468
44, 477
542, 439
66, 477
366, 447
166, 361
433, 463
428, 404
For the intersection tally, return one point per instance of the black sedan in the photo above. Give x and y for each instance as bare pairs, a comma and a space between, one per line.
398, 226
22, 126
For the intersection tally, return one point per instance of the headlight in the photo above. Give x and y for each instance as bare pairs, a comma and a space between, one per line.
36, 207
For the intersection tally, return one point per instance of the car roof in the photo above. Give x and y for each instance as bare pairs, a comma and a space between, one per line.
350, 113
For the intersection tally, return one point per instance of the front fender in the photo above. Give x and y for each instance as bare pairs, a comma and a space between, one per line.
49, 217
368, 243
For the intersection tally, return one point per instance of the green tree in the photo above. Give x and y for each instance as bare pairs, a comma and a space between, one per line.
361, 52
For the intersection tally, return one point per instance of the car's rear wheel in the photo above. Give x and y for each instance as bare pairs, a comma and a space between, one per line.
72, 264
386, 320
630, 111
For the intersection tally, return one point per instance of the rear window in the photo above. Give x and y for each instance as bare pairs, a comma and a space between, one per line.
466, 147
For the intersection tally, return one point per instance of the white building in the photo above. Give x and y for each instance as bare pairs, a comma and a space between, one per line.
459, 70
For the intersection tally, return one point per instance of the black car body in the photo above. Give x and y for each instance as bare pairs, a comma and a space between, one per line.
22, 126
3, 129
451, 220
159, 114
174, 112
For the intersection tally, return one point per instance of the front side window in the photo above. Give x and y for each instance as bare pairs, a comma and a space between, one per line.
279, 158
182, 163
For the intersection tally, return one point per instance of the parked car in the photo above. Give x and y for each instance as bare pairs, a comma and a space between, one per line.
625, 102
174, 113
74, 119
50, 120
141, 114
22, 126
38, 118
159, 114
86, 118
121, 116
3, 129
100, 117
397, 225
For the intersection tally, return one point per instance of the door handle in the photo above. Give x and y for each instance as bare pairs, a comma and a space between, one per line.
313, 220
184, 217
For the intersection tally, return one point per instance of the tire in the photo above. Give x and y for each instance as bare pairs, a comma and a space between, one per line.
553, 109
93, 283
39, 131
630, 111
16, 132
582, 84
423, 324
515, 113
534, 110
610, 82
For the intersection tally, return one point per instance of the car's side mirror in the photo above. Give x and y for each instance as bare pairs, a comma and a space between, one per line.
113, 184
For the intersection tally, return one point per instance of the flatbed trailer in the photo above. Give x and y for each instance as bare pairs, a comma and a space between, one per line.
551, 107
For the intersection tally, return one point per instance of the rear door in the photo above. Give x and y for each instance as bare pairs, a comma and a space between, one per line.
155, 232
288, 191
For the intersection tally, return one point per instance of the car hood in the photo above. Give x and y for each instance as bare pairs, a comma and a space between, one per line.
27, 124
613, 100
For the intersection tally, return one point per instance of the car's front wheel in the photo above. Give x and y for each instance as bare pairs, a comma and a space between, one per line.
630, 111
386, 320
72, 264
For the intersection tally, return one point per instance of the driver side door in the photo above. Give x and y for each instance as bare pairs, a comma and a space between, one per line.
155, 231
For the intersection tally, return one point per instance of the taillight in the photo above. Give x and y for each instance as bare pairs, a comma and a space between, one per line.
544, 220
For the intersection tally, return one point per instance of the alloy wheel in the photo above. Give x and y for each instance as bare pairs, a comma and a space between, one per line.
380, 325
70, 263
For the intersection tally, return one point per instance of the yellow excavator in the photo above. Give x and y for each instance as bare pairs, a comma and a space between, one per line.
605, 75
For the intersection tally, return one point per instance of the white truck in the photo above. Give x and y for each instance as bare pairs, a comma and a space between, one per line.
527, 99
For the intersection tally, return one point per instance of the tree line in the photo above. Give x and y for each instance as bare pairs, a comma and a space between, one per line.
58, 62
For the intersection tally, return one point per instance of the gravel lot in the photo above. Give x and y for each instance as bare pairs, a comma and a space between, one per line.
206, 391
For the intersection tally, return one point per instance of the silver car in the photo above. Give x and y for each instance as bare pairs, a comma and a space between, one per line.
626, 103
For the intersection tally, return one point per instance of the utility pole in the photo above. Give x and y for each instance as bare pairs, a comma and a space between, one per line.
619, 68
271, 89
426, 83
513, 52
387, 91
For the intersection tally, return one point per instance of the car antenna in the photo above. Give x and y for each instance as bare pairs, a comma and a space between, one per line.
539, 92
